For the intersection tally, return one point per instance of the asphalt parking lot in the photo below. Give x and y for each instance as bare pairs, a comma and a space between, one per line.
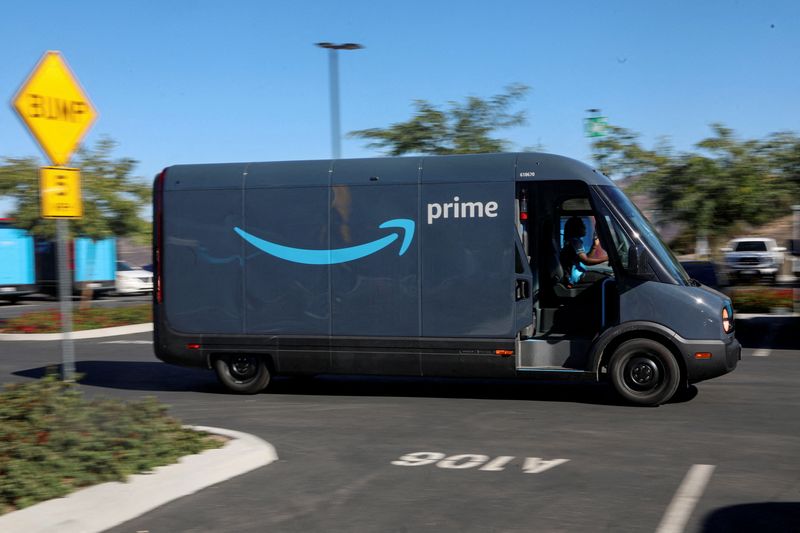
393, 454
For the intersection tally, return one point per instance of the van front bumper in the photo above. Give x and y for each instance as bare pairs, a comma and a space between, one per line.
725, 355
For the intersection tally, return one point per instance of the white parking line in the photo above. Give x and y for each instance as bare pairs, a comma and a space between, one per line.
684, 501
126, 342
762, 352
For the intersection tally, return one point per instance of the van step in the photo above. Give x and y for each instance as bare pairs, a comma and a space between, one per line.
553, 354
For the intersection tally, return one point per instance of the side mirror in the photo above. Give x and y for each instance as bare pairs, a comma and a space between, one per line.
726, 250
779, 249
637, 261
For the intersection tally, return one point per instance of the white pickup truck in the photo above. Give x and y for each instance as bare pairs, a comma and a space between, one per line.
753, 258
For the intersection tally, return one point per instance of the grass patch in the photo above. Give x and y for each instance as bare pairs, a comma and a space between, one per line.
92, 318
53, 441
761, 299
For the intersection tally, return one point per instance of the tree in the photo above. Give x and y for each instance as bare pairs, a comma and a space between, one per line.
112, 198
712, 191
464, 128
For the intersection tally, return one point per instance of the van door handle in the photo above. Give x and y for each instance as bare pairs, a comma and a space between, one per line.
523, 289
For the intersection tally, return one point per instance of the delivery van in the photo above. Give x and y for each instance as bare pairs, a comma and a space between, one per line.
16, 262
91, 263
425, 266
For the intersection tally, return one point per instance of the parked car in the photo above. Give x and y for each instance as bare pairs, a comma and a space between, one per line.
753, 258
132, 279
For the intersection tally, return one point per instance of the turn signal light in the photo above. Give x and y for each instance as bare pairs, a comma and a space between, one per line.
193, 346
504, 352
702, 355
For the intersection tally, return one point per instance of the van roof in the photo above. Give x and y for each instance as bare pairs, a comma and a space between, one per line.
500, 167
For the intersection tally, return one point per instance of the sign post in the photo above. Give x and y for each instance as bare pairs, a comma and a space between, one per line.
58, 114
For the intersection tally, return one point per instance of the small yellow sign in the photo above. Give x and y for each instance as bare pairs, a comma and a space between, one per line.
55, 108
60, 192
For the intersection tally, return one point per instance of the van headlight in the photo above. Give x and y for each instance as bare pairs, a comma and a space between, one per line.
727, 318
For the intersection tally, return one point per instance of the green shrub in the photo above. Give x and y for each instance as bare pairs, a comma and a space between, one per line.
761, 300
92, 318
53, 441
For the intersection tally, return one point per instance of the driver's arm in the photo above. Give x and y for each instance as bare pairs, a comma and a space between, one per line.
589, 261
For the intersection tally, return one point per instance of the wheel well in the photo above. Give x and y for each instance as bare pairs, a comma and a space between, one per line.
612, 346
213, 356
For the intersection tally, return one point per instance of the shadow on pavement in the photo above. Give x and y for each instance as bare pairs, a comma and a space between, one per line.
161, 377
136, 376
774, 332
749, 517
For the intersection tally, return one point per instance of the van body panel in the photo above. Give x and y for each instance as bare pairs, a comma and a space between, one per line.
468, 263
282, 297
95, 260
201, 264
16, 257
205, 177
549, 167
691, 312
17, 264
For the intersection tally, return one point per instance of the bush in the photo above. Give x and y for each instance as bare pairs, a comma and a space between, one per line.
761, 300
92, 318
52, 441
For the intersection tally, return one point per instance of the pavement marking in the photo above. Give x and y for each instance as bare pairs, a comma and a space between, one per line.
762, 352
126, 342
684, 501
531, 465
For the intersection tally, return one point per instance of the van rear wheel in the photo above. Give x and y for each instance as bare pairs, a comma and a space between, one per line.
644, 372
242, 373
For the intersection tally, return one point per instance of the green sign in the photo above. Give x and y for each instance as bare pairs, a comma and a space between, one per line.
595, 126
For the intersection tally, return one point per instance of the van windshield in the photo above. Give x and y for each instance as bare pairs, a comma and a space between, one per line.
647, 233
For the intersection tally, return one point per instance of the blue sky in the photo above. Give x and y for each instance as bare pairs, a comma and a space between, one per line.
189, 82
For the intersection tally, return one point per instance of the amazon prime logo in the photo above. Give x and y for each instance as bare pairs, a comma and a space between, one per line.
339, 255
458, 209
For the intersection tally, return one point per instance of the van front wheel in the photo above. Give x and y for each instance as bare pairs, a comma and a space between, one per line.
644, 372
242, 373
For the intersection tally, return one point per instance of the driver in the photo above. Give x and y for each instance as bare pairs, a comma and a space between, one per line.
574, 258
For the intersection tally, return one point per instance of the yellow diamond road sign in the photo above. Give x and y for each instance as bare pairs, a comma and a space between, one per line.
55, 108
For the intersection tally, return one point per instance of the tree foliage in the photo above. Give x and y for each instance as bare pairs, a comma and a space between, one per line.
713, 190
462, 128
112, 197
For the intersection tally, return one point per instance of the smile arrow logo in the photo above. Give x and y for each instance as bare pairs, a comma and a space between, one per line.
340, 255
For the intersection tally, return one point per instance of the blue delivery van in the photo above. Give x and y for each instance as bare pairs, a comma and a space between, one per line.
426, 266
17, 266
92, 265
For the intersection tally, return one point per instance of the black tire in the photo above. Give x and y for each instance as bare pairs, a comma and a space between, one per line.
242, 373
644, 372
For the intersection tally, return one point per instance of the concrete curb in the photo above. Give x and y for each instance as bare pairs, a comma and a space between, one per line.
748, 316
107, 505
78, 335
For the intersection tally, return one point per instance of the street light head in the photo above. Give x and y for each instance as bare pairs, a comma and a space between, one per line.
345, 46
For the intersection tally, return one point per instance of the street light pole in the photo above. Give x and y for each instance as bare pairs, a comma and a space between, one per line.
333, 63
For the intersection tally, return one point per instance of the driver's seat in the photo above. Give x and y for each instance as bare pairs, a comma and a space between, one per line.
553, 267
